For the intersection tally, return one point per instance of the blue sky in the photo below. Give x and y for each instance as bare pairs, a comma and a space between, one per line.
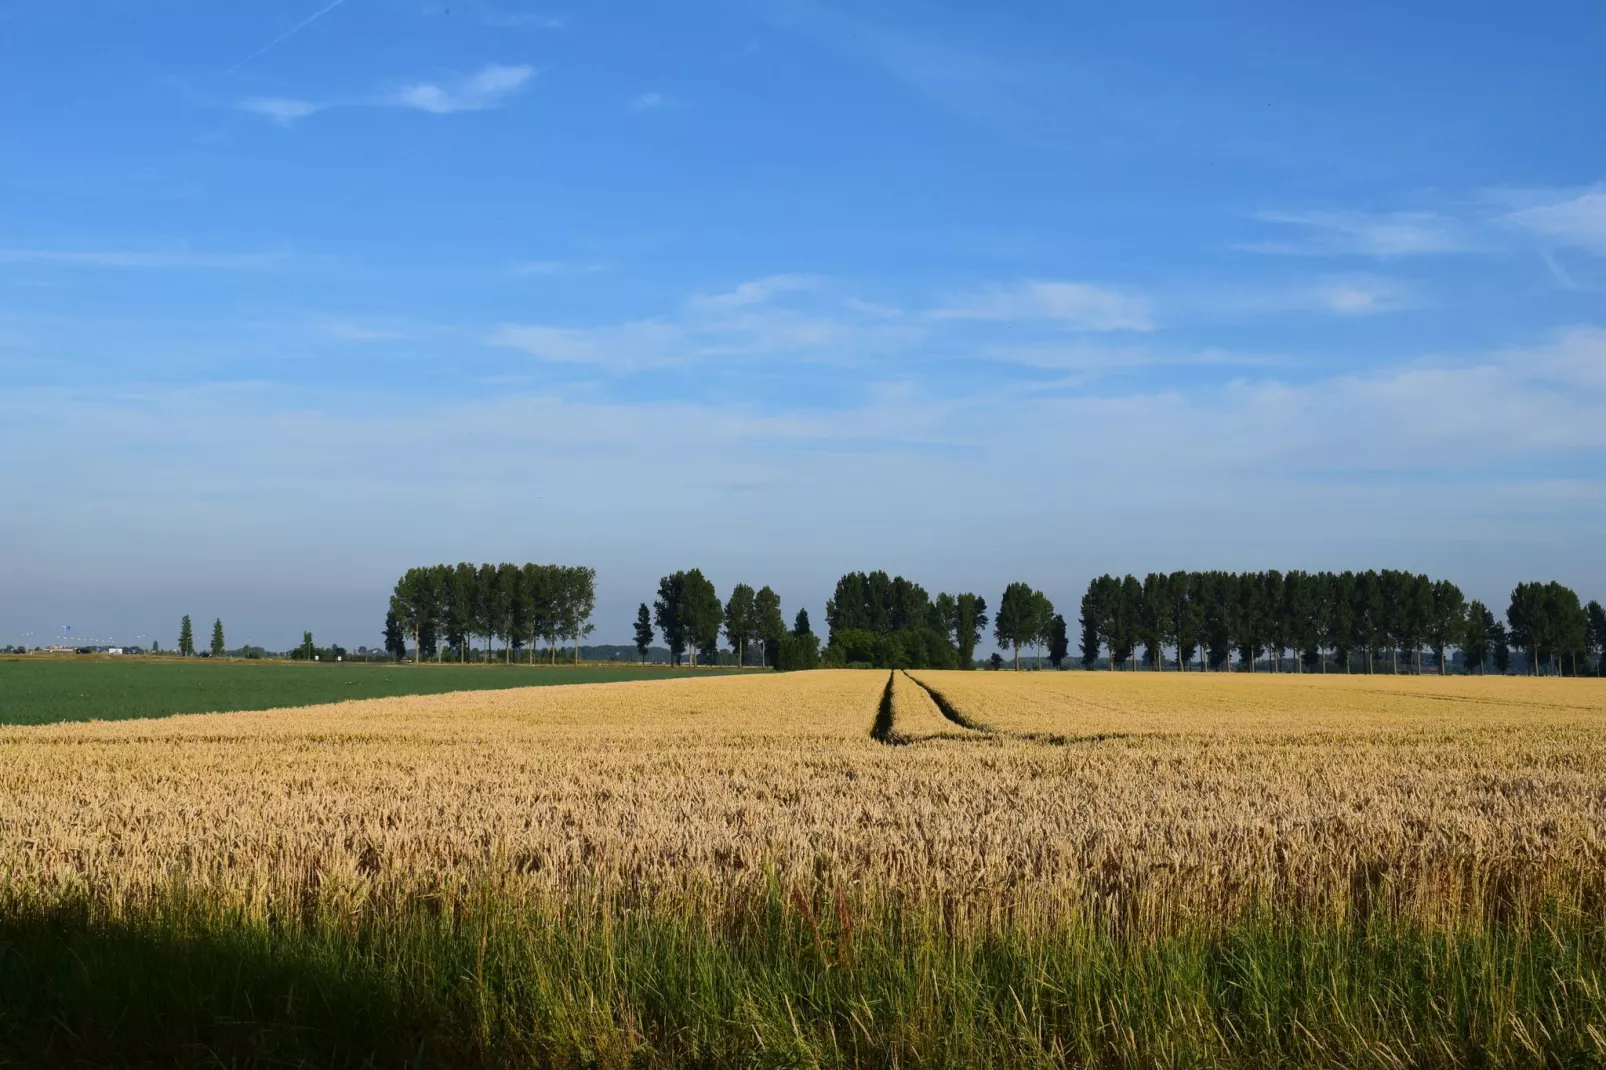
294, 295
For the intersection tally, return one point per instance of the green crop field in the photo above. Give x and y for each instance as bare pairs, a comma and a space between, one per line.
44, 690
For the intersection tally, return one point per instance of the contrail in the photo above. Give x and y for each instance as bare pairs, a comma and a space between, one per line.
297, 28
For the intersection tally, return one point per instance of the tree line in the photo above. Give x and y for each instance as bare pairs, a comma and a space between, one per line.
689, 613
892, 622
1345, 619
521, 605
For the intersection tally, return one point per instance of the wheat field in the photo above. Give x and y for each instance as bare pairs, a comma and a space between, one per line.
822, 819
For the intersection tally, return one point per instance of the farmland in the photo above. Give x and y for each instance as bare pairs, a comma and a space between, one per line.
39, 689
821, 868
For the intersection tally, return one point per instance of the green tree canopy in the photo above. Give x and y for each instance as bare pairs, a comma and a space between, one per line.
644, 633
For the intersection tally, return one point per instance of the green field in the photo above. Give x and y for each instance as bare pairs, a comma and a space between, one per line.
41, 690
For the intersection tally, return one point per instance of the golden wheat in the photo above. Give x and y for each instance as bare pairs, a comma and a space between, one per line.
916, 717
1148, 797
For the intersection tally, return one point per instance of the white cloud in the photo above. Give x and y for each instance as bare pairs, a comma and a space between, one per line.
772, 315
1384, 235
756, 292
282, 110
1578, 220
647, 101
1360, 295
488, 88
1075, 305
628, 345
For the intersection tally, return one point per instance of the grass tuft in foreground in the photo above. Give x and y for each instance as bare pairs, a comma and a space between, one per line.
782, 980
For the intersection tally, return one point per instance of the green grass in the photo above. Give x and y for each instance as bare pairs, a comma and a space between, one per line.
44, 690
780, 982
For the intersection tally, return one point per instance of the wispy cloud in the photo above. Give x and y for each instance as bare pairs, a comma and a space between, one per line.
647, 102
755, 292
488, 88
1575, 219
1382, 235
1357, 295
1350, 294
282, 110
779, 315
1073, 305
132, 260
291, 32
1008, 93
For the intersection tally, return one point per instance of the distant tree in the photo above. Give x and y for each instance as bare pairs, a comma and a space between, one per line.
668, 614
1214, 593
741, 620
395, 642
1447, 620
945, 616
1059, 644
800, 626
1154, 615
643, 630
1302, 613
1183, 619
1525, 617
700, 613
1368, 615
1090, 636
217, 638
1042, 624
1100, 619
1338, 624
1129, 607
1017, 623
1597, 635
995, 662
411, 606
186, 638
970, 622
577, 600
309, 650
767, 625
1416, 617
1477, 636
485, 606
536, 607
510, 606
1499, 647
1276, 627
460, 596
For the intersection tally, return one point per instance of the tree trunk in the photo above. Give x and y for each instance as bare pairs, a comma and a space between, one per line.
418, 646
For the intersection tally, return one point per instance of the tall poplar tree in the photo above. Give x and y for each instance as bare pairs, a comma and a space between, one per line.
767, 625
186, 638
741, 620
217, 638
643, 631
1016, 623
